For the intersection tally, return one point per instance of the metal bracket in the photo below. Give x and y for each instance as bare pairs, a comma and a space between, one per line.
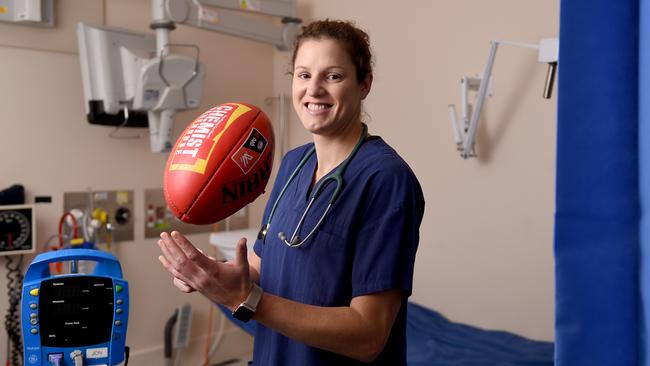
470, 114
162, 60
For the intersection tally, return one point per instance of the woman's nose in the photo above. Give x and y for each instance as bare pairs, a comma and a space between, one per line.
315, 87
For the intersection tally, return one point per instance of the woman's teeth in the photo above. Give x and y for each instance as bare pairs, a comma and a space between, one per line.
315, 107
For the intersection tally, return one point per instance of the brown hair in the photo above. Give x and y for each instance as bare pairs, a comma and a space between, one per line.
355, 41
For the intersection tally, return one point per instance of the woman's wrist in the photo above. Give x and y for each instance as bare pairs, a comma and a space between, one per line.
241, 296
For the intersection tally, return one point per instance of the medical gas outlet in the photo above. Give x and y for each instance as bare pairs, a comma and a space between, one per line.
102, 216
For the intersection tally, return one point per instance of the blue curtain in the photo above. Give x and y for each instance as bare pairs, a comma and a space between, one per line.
644, 172
597, 231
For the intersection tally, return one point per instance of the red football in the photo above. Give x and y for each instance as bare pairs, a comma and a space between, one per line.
220, 163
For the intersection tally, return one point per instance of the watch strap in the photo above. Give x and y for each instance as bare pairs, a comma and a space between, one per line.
253, 298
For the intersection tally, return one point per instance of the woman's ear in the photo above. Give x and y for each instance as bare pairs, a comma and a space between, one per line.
366, 85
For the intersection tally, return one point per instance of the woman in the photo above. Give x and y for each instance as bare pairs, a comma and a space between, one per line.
337, 296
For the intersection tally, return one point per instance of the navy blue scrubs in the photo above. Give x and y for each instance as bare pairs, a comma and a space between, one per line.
366, 244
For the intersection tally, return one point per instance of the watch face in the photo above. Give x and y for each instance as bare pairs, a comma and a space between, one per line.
243, 313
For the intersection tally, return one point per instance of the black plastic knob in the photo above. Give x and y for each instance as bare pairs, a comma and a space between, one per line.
122, 215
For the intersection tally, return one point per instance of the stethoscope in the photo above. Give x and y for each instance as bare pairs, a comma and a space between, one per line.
337, 177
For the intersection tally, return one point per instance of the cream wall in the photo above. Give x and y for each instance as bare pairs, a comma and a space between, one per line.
485, 256
48, 146
486, 248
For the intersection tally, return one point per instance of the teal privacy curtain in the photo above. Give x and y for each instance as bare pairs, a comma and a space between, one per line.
603, 183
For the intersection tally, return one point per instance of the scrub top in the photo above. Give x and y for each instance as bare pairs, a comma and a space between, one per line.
366, 244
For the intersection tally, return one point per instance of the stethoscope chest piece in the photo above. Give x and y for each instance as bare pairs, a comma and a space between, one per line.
262, 234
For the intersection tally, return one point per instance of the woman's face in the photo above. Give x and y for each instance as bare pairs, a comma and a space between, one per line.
326, 94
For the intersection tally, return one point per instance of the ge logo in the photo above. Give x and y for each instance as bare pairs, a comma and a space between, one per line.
33, 359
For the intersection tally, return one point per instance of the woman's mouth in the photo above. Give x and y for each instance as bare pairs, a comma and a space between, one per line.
317, 108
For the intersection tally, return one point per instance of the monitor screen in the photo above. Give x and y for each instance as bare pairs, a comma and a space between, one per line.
75, 311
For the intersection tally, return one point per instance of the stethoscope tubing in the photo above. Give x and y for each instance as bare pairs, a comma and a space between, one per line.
337, 177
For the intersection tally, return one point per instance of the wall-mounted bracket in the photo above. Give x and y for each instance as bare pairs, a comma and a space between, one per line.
465, 136
467, 85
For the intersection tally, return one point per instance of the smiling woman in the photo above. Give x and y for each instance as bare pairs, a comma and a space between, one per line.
326, 94
332, 74
336, 292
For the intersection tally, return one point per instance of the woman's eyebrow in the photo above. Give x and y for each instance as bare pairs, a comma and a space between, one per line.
326, 68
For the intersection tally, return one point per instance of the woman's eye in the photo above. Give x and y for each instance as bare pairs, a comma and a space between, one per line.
303, 75
333, 77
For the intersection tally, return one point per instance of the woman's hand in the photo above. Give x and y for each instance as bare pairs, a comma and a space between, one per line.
224, 283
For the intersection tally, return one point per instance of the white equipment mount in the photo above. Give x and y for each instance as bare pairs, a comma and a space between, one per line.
465, 137
132, 80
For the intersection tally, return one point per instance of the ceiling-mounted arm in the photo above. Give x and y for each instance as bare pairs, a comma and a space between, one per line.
224, 16
278, 8
230, 17
132, 80
239, 25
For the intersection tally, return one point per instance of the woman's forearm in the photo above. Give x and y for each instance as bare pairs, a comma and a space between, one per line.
359, 331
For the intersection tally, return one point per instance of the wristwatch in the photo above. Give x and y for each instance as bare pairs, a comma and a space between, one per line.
246, 310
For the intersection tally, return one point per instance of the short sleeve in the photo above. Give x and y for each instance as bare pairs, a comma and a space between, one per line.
385, 248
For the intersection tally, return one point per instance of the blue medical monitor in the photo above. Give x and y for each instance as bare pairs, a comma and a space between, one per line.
74, 315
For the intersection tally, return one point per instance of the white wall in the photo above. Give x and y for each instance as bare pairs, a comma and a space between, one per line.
48, 146
486, 249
